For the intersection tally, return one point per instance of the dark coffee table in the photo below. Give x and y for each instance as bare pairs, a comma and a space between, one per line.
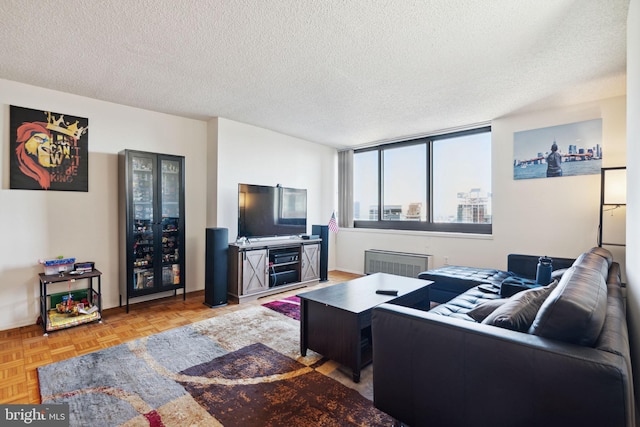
336, 321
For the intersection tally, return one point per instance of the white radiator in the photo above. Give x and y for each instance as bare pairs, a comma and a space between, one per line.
398, 263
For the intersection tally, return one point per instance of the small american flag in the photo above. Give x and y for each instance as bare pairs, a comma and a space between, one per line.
333, 224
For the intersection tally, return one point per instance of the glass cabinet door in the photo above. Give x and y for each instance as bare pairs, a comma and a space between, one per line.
170, 207
143, 218
152, 258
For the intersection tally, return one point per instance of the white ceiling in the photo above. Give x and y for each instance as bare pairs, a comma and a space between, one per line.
337, 72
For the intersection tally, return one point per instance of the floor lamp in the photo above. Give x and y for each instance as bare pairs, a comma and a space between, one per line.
613, 194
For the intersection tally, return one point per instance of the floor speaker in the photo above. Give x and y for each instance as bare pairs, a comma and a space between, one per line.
215, 280
323, 232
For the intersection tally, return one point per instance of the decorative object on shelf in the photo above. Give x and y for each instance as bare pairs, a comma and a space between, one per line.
49, 151
613, 196
563, 150
83, 267
59, 265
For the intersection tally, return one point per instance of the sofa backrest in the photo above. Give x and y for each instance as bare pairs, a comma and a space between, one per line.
576, 309
591, 260
604, 253
526, 265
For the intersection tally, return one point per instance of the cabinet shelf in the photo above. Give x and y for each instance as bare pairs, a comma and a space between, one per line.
56, 321
49, 316
282, 264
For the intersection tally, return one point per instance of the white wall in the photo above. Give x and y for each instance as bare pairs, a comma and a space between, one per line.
212, 172
556, 217
530, 216
252, 155
41, 224
44, 224
633, 183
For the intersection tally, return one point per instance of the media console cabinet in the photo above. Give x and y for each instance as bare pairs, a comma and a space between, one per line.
265, 267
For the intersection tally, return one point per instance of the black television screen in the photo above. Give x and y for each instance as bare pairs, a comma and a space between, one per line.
265, 211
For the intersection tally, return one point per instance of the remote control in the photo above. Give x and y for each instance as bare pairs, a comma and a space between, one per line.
387, 292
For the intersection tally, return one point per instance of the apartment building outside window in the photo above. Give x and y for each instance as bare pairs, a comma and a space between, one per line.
437, 183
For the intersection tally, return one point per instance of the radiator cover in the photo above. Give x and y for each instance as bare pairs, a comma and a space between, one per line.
398, 263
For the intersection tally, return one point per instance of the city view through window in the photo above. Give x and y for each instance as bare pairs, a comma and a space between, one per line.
461, 181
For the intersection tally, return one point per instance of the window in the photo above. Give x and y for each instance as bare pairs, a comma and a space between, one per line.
365, 186
405, 183
465, 196
439, 183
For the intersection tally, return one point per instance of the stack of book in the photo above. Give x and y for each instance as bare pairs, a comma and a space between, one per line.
83, 267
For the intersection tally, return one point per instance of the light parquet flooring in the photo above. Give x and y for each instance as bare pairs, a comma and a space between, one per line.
23, 350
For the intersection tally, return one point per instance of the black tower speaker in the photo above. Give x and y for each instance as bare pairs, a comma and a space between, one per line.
215, 280
323, 232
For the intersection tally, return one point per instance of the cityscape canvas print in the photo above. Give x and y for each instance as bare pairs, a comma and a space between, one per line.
48, 150
563, 150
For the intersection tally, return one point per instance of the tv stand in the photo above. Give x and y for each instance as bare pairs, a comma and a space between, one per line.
258, 268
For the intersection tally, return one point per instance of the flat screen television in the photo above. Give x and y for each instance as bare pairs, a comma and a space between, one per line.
265, 211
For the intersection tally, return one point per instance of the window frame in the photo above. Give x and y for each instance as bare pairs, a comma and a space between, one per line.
428, 224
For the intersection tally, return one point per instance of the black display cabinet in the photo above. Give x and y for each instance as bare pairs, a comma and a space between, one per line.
152, 224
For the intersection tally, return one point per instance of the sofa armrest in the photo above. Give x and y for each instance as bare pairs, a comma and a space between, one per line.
435, 370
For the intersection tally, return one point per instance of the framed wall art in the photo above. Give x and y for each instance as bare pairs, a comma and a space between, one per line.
563, 150
48, 150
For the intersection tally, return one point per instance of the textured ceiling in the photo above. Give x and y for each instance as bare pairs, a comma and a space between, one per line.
337, 72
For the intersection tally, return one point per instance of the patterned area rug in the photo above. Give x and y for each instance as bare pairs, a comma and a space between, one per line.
240, 369
289, 306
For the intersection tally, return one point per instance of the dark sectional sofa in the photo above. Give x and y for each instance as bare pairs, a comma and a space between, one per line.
556, 355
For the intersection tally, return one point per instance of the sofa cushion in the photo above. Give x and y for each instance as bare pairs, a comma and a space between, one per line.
519, 311
453, 280
481, 311
459, 306
575, 310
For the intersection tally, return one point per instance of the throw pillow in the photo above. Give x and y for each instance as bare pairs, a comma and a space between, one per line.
576, 310
481, 311
519, 311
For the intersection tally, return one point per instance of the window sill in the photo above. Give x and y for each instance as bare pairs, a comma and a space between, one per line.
442, 234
